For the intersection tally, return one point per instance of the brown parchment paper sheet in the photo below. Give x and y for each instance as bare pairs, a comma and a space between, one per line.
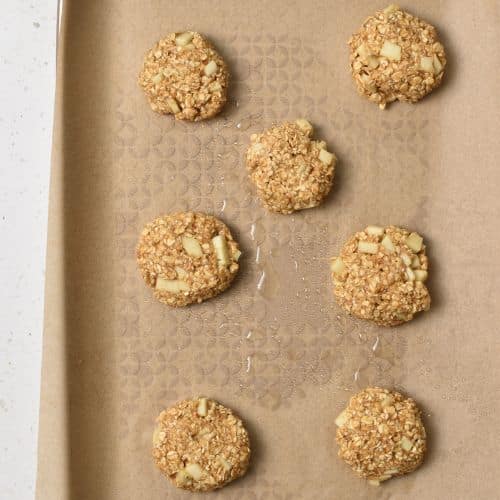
275, 347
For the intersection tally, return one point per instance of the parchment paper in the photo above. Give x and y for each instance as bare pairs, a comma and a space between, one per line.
275, 347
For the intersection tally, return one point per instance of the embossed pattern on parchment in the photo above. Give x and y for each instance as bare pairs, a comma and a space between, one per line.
275, 337
276, 334
253, 340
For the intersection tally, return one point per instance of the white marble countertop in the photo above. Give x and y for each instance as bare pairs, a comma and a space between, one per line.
27, 62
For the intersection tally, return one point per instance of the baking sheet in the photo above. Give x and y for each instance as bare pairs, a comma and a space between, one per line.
275, 347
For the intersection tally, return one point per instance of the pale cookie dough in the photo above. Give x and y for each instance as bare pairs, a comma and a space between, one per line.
187, 257
289, 169
396, 56
185, 76
200, 445
381, 435
380, 275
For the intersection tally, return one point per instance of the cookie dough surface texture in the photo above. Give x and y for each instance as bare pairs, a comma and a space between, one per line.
396, 56
187, 257
290, 170
380, 434
200, 445
184, 75
380, 275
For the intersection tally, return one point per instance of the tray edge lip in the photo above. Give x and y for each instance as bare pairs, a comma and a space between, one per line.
52, 473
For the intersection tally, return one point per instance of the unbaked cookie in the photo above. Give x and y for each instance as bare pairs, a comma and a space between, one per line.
396, 56
381, 435
200, 445
289, 169
187, 257
380, 275
184, 75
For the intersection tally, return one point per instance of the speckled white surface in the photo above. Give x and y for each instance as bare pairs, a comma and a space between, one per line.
27, 62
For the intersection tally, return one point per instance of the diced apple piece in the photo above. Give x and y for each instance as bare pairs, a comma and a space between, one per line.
182, 477
388, 244
375, 230
368, 82
406, 259
410, 274
414, 241
183, 39
172, 104
156, 434
420, 275
173, 286
192, 246
194, 470
304, 125
326, 157
236, 255
257, 148
367, 247
210, 69
406, 444
391, 50
202, 409
392, 471
415, 262
221, 250
337, 266
363, 51
385, 477
426, 64
391, 8
341, 419
438, 66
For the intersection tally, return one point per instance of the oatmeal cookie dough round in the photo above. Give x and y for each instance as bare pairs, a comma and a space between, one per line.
184, 75
200, 445
381, 435
396, 56
290, 170
187, 257
380, 275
